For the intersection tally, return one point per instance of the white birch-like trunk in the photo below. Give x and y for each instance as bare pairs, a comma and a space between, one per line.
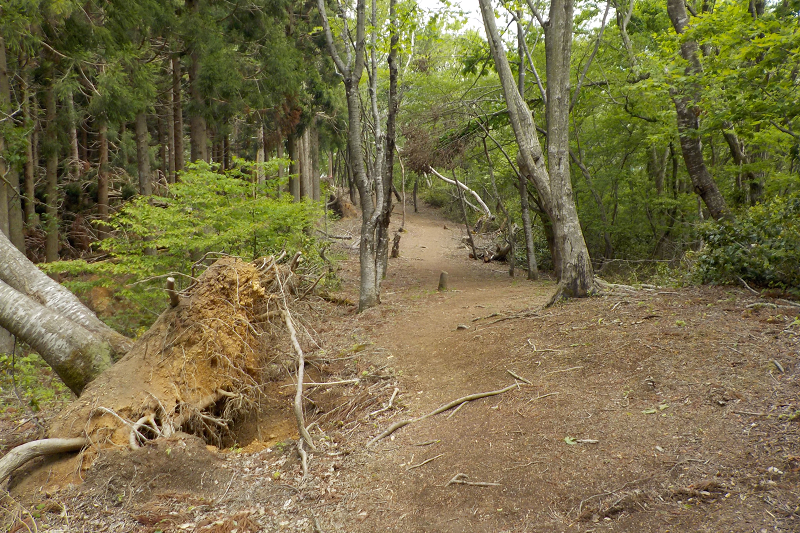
73, 352
23, 276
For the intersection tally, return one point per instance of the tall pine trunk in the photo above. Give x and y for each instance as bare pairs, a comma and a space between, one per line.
143, 155
177, 114
102, 179
51, 172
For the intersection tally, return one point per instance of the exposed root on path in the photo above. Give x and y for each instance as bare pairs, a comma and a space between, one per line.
455, 403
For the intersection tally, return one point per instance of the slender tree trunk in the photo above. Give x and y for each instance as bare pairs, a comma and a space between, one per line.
102, 179
169, 125
51, 175
260, 154
527, 226
315, 156
304, 153
29, 206
279, 153
12, 191
573, 268
177, 114
688, 112
76, 169
294, 167
163, 144
143, 155
384, 219
198, 127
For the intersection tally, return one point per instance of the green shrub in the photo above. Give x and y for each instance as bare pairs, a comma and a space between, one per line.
761, 246
204, 213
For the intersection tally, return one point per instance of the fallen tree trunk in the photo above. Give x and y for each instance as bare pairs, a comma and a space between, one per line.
23, 276
76, 354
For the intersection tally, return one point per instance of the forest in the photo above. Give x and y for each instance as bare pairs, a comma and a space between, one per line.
161, 158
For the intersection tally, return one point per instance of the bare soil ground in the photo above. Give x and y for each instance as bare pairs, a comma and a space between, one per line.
655, 410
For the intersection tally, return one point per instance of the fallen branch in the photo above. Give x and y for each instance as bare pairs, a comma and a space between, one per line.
31, 450
426, 461
748, 287
461, 479
298, 398
484, 207
389, 406
397, 425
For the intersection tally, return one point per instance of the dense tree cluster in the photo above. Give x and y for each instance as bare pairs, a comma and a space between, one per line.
103, 100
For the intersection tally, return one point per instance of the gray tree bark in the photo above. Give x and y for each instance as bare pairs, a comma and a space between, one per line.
19, 273
74, 353
573, 266
102, 179
351, 72
143, 155
51, 172
688, 112
177, 113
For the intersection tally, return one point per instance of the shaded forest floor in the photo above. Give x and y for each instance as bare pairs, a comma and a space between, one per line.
655, 410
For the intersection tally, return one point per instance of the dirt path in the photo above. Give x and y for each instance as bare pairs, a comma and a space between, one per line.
423, 336
625, 427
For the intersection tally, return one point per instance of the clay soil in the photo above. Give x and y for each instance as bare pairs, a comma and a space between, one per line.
659, 409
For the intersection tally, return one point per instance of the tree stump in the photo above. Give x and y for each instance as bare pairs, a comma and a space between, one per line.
442, 282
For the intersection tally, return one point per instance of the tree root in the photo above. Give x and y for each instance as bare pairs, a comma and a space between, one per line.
30, 450
461, 479
397, 425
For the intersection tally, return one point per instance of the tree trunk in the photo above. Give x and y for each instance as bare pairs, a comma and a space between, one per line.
573, 268
102, 179
198, 128
51, 174
30, 162
304, 153
12, 193
384, 219
260, 154
527, 226
315, 156
143, 155
75, 167
74, 353
21, 274
294, 166
688, 112
177, 114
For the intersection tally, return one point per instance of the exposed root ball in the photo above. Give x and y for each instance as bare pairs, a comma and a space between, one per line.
195, 370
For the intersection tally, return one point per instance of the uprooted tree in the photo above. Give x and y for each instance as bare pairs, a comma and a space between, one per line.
198, 368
